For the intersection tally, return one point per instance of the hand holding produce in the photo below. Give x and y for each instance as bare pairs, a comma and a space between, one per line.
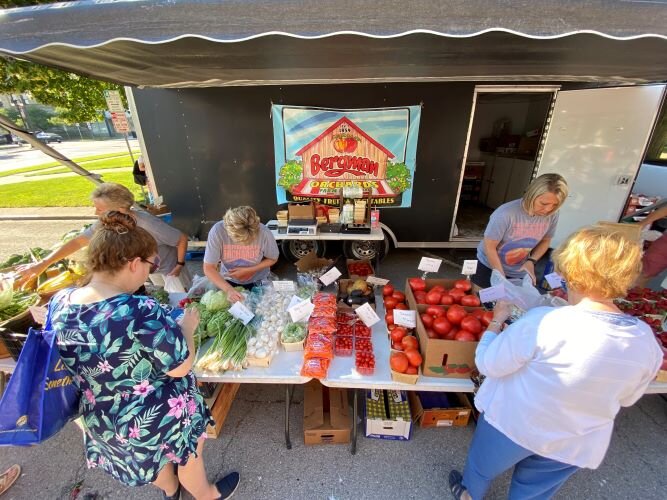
502, 311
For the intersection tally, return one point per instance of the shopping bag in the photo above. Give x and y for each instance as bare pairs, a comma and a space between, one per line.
40, 397
523, 294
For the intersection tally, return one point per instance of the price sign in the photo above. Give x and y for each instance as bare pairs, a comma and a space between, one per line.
429, 265
38, 314
330, 276
284, 286
405, 318
241, 312
301, 310
555, 280
469, 267
367, 315
492, 294
374, 280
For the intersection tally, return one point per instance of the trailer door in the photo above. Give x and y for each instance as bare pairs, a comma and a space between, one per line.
596, 140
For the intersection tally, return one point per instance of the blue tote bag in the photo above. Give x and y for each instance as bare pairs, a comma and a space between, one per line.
40, 397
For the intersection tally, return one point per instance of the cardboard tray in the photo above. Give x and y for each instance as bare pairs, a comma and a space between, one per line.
434, 416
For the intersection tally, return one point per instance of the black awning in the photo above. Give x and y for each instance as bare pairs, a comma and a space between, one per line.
207, 43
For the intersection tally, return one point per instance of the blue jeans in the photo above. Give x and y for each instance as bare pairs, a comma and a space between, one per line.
492, 453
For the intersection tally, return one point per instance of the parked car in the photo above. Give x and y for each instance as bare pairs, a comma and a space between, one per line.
48, 137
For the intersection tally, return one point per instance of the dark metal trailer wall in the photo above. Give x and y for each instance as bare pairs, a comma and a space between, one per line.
212, 148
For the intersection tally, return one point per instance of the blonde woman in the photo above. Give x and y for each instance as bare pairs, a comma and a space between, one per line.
557, 377
172, 243
520, 231
244, 248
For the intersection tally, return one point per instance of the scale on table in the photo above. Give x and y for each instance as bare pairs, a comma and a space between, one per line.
302, 227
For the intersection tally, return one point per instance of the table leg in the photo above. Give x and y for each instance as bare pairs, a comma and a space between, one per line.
288, 402
378, 247
355, 424
3, 382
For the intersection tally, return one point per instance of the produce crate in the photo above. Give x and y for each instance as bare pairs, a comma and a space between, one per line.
440, 409
220, 404
13, 334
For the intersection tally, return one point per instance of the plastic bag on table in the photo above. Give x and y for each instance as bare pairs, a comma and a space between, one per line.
325, 300
523, 295
318, 347
324, 311
326, 326
200, 285
315, 367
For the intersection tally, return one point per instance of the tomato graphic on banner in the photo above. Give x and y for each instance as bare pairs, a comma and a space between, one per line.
319, 152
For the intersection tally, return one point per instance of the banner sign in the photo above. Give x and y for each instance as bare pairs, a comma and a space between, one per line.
319, 151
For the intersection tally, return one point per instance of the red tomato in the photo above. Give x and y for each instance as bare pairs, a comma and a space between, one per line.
470, 301
398, 333
457, 294
420, 297
438, 288
465, 336
389, 318
435, 311
427, 319
399, 362
455, 314
417, 284
390, 326
478, 313
441, 325
400, 296
388, 289
397, 346
471, 324
451, 334
402, 306
464, 285
487, 317
409, 342
447, 300
390, 303
414, 357
431, 334
412, 370
433, 298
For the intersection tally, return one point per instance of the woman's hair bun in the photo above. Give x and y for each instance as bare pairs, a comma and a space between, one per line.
117, 221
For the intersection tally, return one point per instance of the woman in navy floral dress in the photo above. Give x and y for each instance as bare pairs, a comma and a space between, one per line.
142, 412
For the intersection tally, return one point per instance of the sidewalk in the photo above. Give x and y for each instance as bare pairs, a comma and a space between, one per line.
48, 213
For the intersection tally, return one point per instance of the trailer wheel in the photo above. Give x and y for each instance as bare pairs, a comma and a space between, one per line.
293, 250
366, 249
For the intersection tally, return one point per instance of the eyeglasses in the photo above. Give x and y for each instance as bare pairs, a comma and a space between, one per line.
154, 265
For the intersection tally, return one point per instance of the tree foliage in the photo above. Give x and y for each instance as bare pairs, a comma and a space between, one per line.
78, 98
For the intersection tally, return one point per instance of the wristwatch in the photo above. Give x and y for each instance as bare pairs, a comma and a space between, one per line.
180, 263
534, 261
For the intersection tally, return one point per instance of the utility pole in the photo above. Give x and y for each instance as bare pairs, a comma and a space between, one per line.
19, 102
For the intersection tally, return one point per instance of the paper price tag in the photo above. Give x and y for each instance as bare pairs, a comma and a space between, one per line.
492, 294
284, 286
374, 280
429, 265
295, 300
330, 276
367, 315
555, 280
301, 311
469, 267
241, 312
38, 314
405, 318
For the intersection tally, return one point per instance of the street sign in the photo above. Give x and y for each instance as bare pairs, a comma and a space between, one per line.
114, 102
120, 122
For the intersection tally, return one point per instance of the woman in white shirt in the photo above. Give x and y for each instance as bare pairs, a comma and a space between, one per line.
557, 377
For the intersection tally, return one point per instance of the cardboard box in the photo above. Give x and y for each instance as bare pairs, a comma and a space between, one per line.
220, 404
312, 261
353, 261
301, 212
326, 415
437, 409
631, 231
342, 295
387, 415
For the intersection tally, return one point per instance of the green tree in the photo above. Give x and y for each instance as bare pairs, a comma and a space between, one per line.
78, 98
291, 174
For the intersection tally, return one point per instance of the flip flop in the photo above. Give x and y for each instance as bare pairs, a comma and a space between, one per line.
9, 477
228, 484
455, 484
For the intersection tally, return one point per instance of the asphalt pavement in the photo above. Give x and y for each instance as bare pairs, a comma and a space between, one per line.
252, 442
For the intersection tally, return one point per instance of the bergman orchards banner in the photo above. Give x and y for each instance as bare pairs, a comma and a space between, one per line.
319, 151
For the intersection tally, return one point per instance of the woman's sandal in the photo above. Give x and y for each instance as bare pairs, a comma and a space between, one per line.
228, 484
175, 496
455, 484
9, 477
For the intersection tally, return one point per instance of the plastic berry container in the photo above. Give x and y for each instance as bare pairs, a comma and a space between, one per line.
365, 362
363, 345
343, 346
361, 331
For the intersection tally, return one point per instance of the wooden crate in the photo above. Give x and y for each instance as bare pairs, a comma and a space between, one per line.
220, 404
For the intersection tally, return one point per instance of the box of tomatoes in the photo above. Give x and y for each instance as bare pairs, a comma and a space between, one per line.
450, 323
359, 268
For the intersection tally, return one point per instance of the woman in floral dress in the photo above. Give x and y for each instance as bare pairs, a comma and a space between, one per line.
142, 412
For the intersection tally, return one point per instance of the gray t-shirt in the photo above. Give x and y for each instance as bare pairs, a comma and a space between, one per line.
518, 233
220, 248
166, 236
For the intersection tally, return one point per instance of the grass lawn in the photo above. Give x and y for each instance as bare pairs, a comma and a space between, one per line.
59, 192
116, 162
84, 159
